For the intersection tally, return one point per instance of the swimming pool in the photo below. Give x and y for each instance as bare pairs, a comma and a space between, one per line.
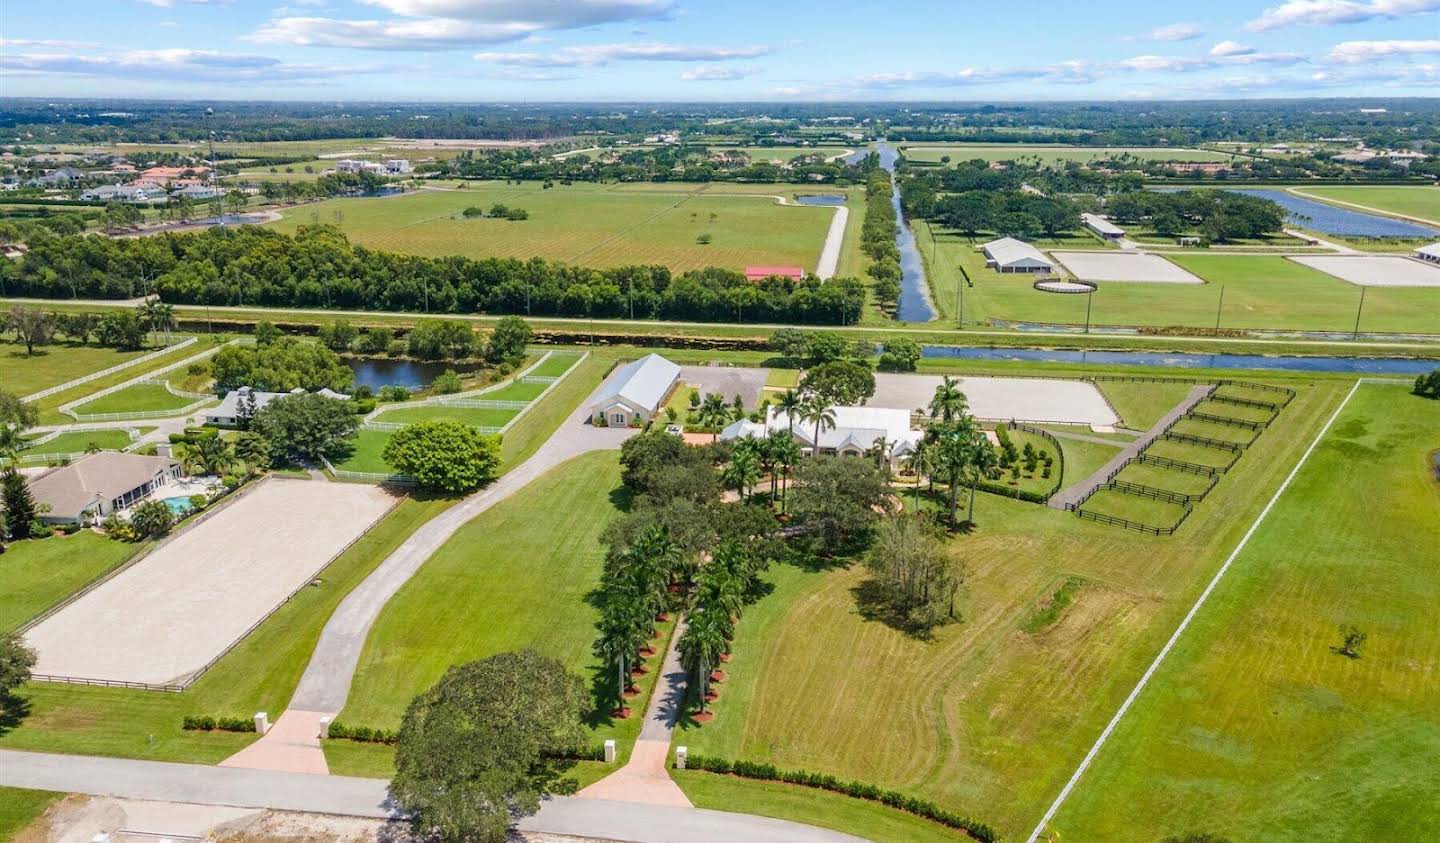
179, 506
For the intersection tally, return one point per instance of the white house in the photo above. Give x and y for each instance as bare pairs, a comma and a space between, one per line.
635, 392
396, 166
123, 193
238, 402
857, 431
97, 484
197, 192
1102, 226
1429, 253
1010, 255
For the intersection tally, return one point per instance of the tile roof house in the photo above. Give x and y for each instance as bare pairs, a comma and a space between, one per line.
856, 431
635, 392
233, 406
96, 485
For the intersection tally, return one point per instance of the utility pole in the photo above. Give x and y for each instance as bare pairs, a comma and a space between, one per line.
1089, 300
214, 171
1218, 307
1358, 310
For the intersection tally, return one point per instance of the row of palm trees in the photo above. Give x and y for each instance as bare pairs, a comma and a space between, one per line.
715, 606
774, 455
635, 591
954, 448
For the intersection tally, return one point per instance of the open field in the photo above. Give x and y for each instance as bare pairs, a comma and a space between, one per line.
19, 808
1142, 404
365, 454
1421, 203
1253, 724
39, 573
1261, 291
473, 416
1051, 154
48, 406
814, 684
163, 619
51, 365
73, 443
134, 399
586, 224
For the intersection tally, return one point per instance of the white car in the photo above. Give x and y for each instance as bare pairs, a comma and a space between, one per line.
674, 429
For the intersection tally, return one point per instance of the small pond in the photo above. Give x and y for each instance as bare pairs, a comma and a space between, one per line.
829, 200
1331, 219
1354, 365
380, 372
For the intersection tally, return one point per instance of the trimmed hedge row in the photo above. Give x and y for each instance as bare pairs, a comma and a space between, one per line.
206, 723
858, 790
362, 734
1012, 492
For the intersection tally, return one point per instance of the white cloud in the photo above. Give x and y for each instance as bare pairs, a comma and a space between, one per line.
1225, 49
549, 14
716, 73
598, 54
47, 42
421, 34
1072, 72
1327, 12
172, 64
1176, 32
169, 4
1354, 52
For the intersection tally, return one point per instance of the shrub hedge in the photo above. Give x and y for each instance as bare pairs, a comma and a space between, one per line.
858, 790
206, 723
363, 734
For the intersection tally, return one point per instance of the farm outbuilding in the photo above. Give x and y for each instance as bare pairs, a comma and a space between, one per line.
635, 392
1429, 253
1010, 255
1102, 226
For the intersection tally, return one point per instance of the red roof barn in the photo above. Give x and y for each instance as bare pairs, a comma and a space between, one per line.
757, 273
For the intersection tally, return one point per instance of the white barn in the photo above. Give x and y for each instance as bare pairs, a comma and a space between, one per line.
1102, 226
635, 392
1429, 253
1010, 255
856, 433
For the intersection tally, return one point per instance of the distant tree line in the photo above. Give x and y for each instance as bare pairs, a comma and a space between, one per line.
1216, 215
672, 162
319, 268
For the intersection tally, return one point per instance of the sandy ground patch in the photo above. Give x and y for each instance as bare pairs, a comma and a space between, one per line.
1374, 270
1124, 266
165, 617
1041, 400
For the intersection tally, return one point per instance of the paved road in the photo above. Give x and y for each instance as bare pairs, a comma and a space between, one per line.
834, 239
344, 795
326, 681
1077, 492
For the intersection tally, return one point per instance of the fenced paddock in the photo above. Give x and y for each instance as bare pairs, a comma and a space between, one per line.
1130, 267
1374, 270
166, 618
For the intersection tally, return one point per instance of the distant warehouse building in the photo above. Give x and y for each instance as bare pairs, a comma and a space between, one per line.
1429, 253
1010, 255
1102, 226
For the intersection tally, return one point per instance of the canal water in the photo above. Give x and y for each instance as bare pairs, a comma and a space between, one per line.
1398, 366
914, 292
1332, 219
380, 372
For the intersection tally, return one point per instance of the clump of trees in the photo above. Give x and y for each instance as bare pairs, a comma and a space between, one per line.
279, 365
444, 455
837, 501
21, 514
481, 748
1217, 216
877, 238
305, 426
913, 578
1428, 386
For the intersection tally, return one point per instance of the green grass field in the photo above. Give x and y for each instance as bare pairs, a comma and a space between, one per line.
73, 443
585, 224
956, 719
49, 414
38, 573
52, 365
474, 416
134, 399
1254, 727
1419, 202
1051, 154
1261, 291
516, 391
1082, 459
1153, 513
1141, 404
19, 808
555, 365
365, 456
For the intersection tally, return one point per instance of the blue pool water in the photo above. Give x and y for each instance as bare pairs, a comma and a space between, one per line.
1330, 219
179, 506
1354, 365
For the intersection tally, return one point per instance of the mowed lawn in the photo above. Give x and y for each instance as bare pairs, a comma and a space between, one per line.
22, 374
19, 808
585, 224
1421, 202
1050, 154
1261, 291
984, 719
512, 578
74, 443
141, 397
1254, 729
38, 573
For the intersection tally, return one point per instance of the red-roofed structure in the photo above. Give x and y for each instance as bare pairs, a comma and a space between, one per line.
758, 273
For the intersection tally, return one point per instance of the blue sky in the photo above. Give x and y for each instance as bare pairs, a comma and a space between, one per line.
795, 50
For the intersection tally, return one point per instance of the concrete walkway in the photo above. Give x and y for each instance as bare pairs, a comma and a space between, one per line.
644, 777
1078, 492
291, 746
326, 681
348, 796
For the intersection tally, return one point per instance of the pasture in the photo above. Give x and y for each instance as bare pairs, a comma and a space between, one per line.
585, 224
36, 574
1421, 203
1052, 154
77, 441
1260, 292
1254, 723
51, 365
140, 397
816, 683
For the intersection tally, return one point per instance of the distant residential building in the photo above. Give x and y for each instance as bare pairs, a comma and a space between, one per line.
396, 166
760, 273
124, 193
96, 485
857, 431
60, 177
1010, 255
1209, 167
165, 175
238, 402
635, 392
1103, 227
1429, 253
197, 192
351, 165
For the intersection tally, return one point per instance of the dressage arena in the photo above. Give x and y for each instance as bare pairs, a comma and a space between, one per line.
1044, 400
1374, 270
1124, 266
165, 618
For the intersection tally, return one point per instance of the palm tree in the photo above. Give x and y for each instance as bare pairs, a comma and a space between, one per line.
769, 451
983, 461
787, 453
949, 402
700, 648
791, 403
922, 461
881, 446
816, 410
743, 470
211, 455
714, 413
164, 316
954, 448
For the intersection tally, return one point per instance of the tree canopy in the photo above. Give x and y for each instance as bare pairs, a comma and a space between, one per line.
305, 425
280, 366
444, 455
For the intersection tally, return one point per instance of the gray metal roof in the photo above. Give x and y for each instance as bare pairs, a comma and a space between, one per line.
1100, 225
642, 383
1007, 251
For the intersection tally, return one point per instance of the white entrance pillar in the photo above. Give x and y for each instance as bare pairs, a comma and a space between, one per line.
262, 723
610, 751
680, 753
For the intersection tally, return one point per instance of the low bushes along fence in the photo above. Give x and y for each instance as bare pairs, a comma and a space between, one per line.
206, 723
362, 734
858, 790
